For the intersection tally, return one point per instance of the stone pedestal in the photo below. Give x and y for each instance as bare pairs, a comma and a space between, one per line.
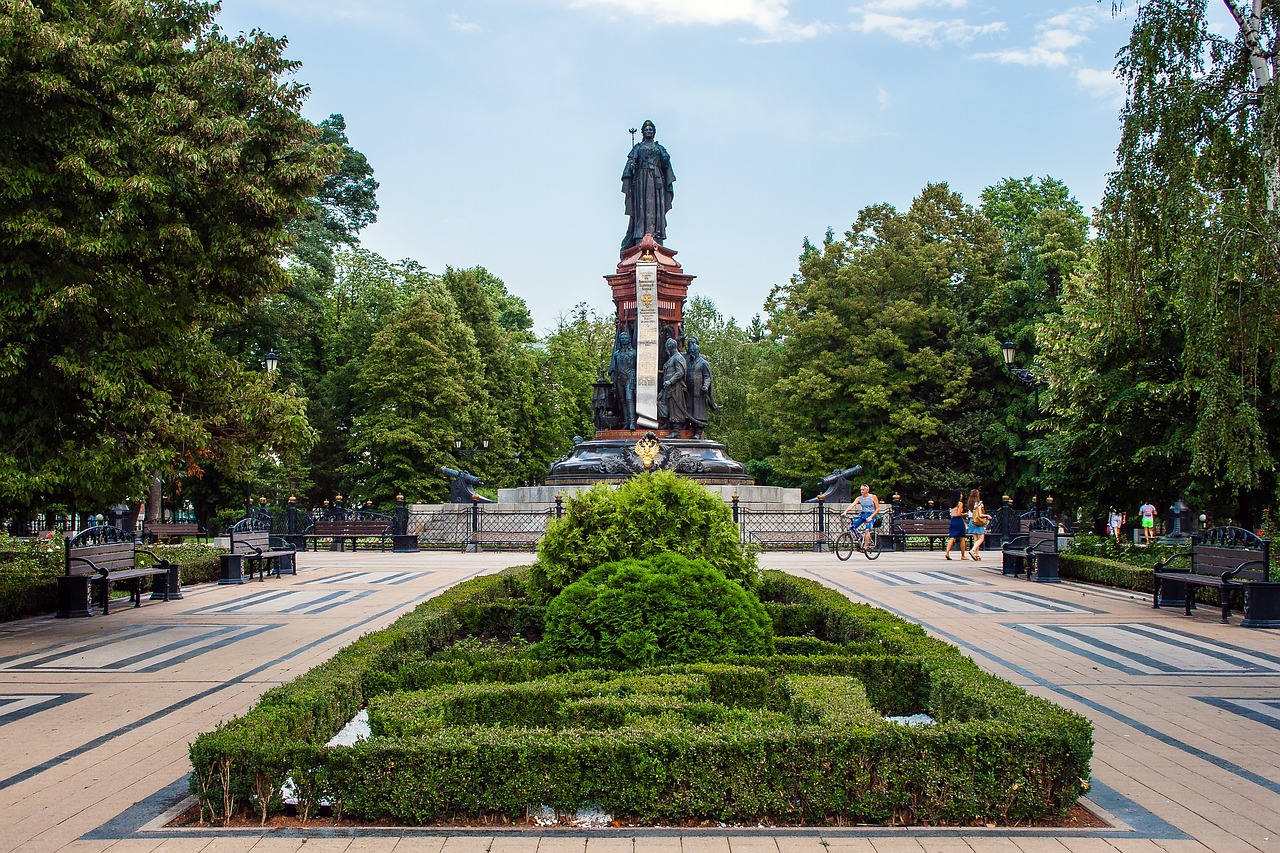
614, 458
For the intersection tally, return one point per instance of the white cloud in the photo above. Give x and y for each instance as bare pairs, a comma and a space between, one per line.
883, 98
1102, 83
457, 23
770, 17
1054, 39
1054, 45
921, 31
901, 6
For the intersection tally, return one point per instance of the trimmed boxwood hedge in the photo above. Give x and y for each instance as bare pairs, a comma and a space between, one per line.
794, 736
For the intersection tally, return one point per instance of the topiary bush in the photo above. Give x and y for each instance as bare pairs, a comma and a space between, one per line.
647, 515
666, 609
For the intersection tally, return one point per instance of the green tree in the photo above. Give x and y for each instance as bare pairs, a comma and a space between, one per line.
149, 169
577, 353
415, 386
1044, 232
1114, 405
872, 364
1189, 224
736, 360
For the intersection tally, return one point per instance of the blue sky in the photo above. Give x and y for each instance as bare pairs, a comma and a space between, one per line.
499, 128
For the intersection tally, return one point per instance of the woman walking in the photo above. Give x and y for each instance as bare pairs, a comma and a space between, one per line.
977, 523
956, 531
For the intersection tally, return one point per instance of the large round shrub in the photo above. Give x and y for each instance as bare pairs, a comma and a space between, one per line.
663, 609
649, 514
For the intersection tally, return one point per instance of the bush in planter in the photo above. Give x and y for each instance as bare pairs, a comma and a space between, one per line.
647, 515
785, 737
666, 609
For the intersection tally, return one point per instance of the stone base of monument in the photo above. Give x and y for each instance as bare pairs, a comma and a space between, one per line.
759, 498
622, 454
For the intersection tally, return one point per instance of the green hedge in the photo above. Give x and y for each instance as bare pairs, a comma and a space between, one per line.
1121, 575
794, 736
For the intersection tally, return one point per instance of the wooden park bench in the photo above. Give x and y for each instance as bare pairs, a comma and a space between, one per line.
812, 539
1228, 558
171, 531
512, 540
910, 527
101, 565
353, 530
1034, 551
260, 551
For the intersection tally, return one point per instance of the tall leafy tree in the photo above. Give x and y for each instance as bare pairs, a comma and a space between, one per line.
873, 366
1044, 232
150, 166
736, 360
1189, 223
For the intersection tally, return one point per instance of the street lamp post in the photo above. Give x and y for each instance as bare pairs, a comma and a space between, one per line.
470, 452
1008, 350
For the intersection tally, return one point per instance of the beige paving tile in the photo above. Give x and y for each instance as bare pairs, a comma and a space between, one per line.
554, 844
803, 844
230, 845
469, 844
409, 844
658, 844
752, 844
1222, 812
522, 844
688, 844
897, 845
610, 844
843, 845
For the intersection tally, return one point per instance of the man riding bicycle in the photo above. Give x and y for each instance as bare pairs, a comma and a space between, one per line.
867, 506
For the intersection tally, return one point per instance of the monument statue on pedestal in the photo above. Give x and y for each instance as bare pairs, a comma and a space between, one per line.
652, 388
698, 377
673, 403
647, 186
622, 370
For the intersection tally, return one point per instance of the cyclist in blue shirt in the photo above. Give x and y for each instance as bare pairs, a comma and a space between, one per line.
866, 505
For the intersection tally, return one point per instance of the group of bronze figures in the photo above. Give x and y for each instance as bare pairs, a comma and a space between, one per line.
685, 395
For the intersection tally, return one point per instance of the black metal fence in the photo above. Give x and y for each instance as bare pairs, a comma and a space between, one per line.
480, 526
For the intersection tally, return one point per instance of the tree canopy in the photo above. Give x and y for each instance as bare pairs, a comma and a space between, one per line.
150, 166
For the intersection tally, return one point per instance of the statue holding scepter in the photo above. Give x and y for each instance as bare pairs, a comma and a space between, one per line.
647, 186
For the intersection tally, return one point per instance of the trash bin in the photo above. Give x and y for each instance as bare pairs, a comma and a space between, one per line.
231, 569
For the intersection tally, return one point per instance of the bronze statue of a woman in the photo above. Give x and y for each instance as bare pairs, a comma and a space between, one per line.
647, 186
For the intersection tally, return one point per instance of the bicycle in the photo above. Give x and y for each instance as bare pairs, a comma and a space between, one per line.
849, 541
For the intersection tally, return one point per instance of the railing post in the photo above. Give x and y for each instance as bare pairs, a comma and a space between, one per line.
474, 545
736, 520
820, 508
559, 505
291, 516
402, 541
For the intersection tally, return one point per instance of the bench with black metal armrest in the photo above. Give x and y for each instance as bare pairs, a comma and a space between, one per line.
100, 559
264, 552
1228, 558
1035, 551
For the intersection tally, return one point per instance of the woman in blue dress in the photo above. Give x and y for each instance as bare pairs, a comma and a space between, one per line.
959, 524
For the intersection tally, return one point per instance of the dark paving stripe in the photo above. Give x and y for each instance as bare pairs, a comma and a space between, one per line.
184, 702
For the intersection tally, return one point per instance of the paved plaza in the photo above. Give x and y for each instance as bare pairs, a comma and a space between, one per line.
96, 714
